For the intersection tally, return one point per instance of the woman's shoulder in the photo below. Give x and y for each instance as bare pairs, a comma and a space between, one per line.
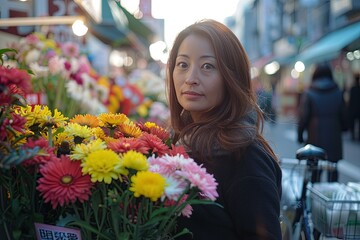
258, 161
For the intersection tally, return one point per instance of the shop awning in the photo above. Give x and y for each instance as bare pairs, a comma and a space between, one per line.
285, 60
119, 27
330, 46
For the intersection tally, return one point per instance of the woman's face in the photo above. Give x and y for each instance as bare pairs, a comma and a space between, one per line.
198, 84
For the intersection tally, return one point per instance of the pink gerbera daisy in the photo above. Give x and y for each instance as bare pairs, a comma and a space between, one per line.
63, 182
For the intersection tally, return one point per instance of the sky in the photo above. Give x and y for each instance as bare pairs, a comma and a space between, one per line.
178, 14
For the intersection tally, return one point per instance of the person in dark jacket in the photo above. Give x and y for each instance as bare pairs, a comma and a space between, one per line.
215, 116
354, 108
322, 114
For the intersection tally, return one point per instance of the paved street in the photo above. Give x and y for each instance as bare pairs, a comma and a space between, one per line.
282, 137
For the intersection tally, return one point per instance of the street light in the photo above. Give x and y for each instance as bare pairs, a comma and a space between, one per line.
79, 28
299, 66
272, 68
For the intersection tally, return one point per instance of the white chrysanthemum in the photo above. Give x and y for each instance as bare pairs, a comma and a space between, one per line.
11, 64
174, 188
56, 65
32, 56
74, 90
39, 71
74, 65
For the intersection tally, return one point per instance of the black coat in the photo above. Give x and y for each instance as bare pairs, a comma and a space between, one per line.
322, 114
354, 102
249, 191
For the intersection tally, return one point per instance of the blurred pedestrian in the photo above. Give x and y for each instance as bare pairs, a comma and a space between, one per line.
354, 109
322, 114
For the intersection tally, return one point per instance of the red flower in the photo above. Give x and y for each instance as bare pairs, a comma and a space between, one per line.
63, 183
16, 122
158, 131
45, 154
123, 145
13, 81
154, 144
178, 150
15, 76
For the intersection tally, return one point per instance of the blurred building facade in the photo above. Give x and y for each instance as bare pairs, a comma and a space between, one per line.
279, 33
116, 38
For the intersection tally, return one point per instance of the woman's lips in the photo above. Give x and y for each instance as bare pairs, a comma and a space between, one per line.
191, 94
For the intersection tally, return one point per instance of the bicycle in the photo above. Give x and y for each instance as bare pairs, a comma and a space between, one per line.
320, 209
309, 160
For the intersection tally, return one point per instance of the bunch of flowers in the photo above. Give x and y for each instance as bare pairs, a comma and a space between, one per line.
153, 108
107, 175
64, 75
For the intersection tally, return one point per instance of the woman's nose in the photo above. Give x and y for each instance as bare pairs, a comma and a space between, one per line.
192, 77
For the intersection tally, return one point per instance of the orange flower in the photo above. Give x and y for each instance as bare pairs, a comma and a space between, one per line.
86, 120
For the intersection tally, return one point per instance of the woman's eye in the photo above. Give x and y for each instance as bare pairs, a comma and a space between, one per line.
181, 65
208, 66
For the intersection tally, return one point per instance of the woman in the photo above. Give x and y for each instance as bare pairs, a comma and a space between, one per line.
322, 114
215, 115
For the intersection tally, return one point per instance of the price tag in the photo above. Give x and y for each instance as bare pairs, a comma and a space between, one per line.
50, 232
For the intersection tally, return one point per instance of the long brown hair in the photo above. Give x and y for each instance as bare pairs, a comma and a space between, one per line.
235, 123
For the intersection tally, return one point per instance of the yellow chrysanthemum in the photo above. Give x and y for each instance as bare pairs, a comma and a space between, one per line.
50, 43
81, 151
103, 166
135, 160
112, 120
142, 110
98, 133
59, 138
108, 139
114, 104
117, 91
104, 81
150, 125
130, 130
57, 119
86, 120
42, 116
148, 184
34, 115
40, 35
76, 130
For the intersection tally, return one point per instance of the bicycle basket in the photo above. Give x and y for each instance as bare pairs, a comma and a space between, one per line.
335, 210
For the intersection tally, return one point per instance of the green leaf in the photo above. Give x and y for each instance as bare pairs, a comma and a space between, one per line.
87, 226
4, 51
63, 221
17, 234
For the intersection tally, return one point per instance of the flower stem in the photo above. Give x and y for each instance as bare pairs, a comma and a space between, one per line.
50, 136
